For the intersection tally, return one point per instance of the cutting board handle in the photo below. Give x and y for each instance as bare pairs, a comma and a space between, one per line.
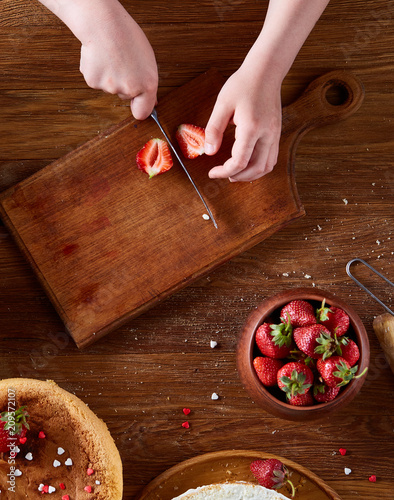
331, 97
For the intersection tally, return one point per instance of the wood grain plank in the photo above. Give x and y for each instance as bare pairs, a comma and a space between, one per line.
22, 12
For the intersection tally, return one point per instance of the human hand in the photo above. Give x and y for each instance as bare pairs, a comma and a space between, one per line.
119, 59
255, 109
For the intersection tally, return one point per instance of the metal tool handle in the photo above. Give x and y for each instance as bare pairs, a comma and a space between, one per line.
364, 287
154, 116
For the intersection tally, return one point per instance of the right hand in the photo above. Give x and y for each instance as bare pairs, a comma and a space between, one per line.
119, 59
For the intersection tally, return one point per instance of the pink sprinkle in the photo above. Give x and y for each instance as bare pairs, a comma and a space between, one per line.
372, 478
88, 489
65, 497
186, 425
342, 451
90, 471
61, 486
186, 411
41, 435
23, 440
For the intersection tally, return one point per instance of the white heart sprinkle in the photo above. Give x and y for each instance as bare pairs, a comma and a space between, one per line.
17, 449
17, 472
56, 463
205, 216
213, 343
41, 487
60, 451
214, 396
68, 462
51, 489
347, 471
97, 481
29, 456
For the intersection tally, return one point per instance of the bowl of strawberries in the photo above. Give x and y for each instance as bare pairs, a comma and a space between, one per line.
302, 354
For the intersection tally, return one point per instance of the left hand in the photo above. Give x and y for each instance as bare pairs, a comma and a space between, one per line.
253, 104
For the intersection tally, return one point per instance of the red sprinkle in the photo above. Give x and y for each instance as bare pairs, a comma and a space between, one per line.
88, 489
45, 488
23, 440
65, 497
186, 425
186, 411
90, 471
372, 478
342, 451
41, 435
61, 486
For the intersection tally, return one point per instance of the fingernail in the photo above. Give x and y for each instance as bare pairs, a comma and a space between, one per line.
209, 149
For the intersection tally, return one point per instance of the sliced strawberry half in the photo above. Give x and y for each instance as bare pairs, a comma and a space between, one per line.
191, 140
154, 158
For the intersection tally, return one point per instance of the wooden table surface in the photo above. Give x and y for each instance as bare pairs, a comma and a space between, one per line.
140, 377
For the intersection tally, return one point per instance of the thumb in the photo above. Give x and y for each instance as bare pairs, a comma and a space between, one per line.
142, 105
215, 128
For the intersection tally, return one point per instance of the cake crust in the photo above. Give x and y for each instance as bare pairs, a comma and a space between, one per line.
67, 445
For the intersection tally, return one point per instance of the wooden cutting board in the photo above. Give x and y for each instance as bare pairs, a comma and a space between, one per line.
107, 243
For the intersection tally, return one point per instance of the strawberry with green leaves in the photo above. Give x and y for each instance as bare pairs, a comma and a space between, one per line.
295, 378
272, 474
337, 372
267, 370
274, 341
349, 351
154, 158
334, 318
315, 341
323, 394
13, 425
300, 313
305, 399
191, 140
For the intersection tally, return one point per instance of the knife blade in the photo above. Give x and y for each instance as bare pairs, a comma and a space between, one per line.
156, 119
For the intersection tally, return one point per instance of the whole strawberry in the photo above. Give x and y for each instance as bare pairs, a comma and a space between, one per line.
323, 394
315, 341
349, 351
300, 313
337, 372
274, 341
305, 399
295, 378
271, 473
301, 357
334, 318
267, 370
12, 425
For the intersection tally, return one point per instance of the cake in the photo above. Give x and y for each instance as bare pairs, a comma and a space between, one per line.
67, 451
231, 491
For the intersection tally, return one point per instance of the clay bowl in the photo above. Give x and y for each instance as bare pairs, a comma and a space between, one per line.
272, 400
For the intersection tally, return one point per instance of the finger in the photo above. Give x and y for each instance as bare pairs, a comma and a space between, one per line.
240, 156
256, 166
261, 163
142, 105
215, 128
272, 159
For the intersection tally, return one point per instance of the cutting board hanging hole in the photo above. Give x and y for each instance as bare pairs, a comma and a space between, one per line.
337, 94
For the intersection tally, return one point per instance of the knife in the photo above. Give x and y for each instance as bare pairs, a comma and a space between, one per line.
155, 118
